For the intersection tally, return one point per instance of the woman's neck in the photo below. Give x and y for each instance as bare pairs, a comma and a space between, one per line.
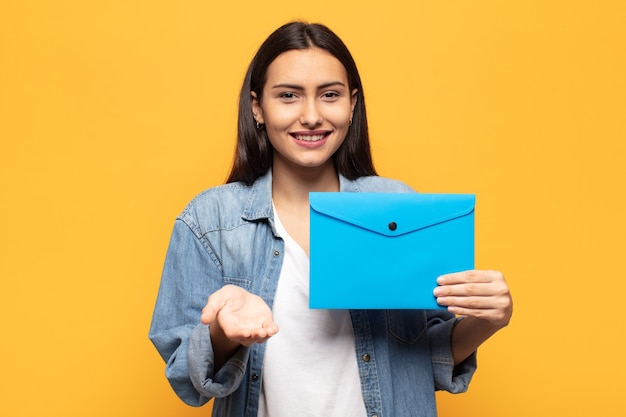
290, 193
294, 187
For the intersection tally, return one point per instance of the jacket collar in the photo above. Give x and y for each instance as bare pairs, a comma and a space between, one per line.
347, 186
259, 203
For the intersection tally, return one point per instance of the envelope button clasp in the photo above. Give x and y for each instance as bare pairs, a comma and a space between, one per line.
393, 226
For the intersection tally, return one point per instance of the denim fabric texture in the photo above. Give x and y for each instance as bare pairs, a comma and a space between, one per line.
226, 235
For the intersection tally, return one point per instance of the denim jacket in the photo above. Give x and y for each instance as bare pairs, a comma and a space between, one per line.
226, 235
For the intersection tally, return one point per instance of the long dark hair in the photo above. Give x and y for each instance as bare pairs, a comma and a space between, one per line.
253, 155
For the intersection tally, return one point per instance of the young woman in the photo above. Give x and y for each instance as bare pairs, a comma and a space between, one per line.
232, 320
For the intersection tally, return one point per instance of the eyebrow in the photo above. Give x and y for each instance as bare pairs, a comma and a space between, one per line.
299, 87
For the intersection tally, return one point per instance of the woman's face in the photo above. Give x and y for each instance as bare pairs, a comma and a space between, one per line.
306, 107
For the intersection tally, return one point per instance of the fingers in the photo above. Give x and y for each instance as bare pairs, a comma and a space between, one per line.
250, 335
259, 335
472, 283
481, 294
473, 276
482, 307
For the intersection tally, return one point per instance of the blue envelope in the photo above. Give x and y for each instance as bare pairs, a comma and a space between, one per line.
386, 250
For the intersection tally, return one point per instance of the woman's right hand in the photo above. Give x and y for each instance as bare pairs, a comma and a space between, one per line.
240, 317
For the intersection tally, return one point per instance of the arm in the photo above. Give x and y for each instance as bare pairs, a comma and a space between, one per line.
483, 298
189, 276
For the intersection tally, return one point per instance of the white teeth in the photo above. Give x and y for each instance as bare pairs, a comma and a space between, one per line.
309, 138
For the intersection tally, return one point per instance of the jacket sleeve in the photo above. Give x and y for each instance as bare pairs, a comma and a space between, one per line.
448, 377
190, 274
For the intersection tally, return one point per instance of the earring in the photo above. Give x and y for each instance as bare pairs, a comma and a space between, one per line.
258, 125
350, 124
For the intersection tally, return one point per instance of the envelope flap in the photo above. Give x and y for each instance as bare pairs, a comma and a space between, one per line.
392, 214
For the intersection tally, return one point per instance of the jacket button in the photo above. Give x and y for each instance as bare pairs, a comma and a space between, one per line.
393, 226
366, 357
276, 253
255, 377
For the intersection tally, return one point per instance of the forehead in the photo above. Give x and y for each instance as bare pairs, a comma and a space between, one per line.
304, 67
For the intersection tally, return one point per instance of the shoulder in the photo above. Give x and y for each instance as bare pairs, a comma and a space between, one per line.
379, 184
215, 208
211, 198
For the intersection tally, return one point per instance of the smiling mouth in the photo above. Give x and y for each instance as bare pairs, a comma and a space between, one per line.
310, 137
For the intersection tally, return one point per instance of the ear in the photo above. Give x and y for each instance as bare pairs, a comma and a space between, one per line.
353, 99
257, 110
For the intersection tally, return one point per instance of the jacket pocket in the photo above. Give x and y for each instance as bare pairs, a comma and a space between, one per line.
406, 325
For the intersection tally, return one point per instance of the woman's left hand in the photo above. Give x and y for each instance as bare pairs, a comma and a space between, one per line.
481, 294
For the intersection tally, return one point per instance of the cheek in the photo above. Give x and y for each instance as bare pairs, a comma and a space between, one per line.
339, 115
280, 120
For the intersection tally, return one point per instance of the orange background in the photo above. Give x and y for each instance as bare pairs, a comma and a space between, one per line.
113, 114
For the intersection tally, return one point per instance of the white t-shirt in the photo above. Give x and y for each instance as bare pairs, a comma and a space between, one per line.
310, 365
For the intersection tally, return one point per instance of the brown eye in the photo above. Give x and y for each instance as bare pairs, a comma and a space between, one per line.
331, 95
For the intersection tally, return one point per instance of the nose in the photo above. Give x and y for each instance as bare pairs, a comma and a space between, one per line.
311, 114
